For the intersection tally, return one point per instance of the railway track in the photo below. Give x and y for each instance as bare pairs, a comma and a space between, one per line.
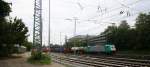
86, 62
68, 62
124, 59
102, 61
118, 62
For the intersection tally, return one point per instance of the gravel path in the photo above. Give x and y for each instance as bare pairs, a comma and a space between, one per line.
21, 61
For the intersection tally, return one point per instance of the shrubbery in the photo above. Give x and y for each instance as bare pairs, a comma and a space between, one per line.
39, 58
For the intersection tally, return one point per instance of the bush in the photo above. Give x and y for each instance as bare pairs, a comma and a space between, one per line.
6, 50
39, 58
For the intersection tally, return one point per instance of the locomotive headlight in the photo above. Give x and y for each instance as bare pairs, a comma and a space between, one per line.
113, 48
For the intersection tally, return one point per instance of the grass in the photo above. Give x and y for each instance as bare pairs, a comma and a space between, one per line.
39, 58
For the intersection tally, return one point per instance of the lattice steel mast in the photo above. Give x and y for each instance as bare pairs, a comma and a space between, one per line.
37, 27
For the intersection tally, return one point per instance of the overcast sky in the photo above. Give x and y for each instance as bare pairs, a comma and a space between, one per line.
94, 15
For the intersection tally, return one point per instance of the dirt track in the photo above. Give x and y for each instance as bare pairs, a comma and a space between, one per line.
20, 61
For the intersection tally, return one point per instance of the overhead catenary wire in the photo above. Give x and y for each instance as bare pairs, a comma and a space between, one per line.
110, 10
117, 9
147, 10
109, 22
111, 16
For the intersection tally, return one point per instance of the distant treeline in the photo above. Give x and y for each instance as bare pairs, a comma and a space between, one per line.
136, 37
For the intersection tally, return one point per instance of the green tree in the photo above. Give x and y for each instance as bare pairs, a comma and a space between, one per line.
4, 10
19, 31
118, 35
27, 44
143, 30
13, 31
124, 25
123, 35
111, 35
132, 39
126, 38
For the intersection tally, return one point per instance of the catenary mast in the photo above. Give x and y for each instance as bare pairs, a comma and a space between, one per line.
49, 30
37, 26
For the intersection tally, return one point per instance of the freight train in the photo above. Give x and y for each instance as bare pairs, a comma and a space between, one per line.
107, 49
97, 44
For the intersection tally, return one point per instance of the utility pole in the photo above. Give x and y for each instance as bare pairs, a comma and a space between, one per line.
87, 39
75, 24
60, 39
65, 38
66, 41
37, 27
49, 29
